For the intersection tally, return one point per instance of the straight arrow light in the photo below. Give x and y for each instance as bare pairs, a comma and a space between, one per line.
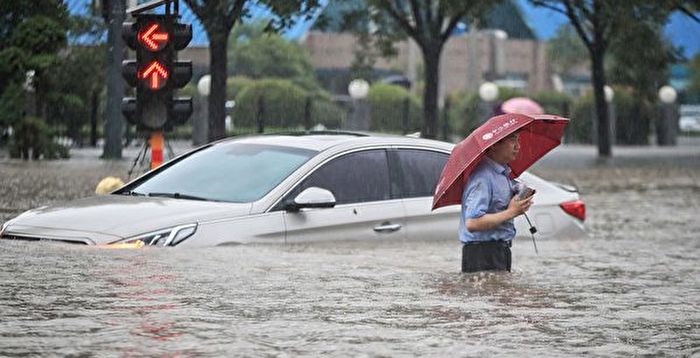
155, 74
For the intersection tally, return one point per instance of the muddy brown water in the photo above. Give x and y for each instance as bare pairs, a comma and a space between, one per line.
631, 288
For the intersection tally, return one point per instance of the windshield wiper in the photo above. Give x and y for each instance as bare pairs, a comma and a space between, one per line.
132, 193
178, 196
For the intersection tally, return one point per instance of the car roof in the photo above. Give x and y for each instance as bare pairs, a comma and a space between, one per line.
321, 141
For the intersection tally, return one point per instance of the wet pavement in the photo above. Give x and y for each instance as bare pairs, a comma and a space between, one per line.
630, 288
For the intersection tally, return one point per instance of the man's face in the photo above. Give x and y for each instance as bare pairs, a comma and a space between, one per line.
506, 150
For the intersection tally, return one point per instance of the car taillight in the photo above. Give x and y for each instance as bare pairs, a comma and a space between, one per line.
575, 208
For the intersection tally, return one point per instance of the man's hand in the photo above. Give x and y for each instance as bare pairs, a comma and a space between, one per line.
489, 221
518, 207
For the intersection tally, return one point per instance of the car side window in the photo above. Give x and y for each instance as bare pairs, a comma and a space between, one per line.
419, 171
352, 178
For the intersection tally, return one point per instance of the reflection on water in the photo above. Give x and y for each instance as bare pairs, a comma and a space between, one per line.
632, 288
599, 295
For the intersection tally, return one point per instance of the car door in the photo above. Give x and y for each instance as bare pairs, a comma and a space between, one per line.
417, 172
366, 207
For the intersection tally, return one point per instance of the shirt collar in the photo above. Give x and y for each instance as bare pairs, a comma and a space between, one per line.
498, 168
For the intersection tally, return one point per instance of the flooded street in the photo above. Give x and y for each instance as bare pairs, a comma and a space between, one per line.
631, 288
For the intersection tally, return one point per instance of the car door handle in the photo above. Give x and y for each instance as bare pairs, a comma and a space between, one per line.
387, 227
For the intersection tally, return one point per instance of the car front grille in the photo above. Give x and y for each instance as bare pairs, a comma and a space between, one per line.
33, 238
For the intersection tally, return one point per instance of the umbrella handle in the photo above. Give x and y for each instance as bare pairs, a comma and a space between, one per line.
533, 230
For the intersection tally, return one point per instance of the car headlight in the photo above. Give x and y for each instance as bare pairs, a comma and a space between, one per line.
166, 237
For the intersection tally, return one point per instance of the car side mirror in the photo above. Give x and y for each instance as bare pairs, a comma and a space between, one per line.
311, 198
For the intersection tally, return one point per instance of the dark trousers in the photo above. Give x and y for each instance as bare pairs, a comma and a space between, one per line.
485, 256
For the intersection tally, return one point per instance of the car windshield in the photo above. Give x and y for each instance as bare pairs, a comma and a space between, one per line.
234, 172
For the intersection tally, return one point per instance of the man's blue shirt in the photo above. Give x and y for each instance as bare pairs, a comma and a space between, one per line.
488, 191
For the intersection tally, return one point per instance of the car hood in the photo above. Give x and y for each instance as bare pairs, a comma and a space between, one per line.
104, 219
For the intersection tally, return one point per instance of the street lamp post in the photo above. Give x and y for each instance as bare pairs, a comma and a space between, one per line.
488, 93
667, 121
612, 113
360, 117
30, 98
200, 125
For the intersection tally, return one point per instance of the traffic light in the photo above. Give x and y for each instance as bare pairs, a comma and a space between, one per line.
156, 73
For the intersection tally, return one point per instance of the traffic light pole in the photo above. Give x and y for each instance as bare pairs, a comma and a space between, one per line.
115, 87
156, 142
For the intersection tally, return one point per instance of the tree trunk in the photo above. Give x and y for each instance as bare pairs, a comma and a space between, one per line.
217, 95
115, 84
431, 59
598, 71
95, 102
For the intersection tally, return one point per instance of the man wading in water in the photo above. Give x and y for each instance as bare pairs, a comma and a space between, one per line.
488, 207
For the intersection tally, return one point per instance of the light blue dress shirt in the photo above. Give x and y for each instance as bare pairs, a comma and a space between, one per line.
488, 191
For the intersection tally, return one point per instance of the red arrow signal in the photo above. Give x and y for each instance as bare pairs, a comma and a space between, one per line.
152, 39
155, 74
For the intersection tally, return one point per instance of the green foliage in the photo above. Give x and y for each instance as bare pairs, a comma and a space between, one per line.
463, 114
257, 55
14, 13
632, 126
633, 119
281, 104
554, 102
77, 78
236, 84
13, 63
580, 128
32, 135
31, 35
11, 104
269, 56
387, 103
39, 34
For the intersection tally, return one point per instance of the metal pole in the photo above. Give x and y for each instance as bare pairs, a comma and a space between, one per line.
156, 143
115, 84
261, 115
446, 119
307, 113
406, 114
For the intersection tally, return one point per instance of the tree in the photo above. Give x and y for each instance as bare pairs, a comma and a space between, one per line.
218, 18
31, 36
596, 22
77, 84
640, 59
256, 54
429, 24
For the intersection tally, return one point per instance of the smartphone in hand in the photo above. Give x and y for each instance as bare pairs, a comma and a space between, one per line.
526, 193
523, 191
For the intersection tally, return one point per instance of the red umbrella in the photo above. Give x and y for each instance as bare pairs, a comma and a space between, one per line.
538, 135
522, 105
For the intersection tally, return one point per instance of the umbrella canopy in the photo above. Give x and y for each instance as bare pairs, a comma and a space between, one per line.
538, 135
522, 105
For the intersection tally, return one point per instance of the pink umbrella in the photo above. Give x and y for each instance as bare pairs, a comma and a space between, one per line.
521, 105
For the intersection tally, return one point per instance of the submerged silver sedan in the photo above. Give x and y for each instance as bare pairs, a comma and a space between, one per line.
285, 189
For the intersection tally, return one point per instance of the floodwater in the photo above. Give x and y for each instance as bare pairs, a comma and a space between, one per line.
631, 288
